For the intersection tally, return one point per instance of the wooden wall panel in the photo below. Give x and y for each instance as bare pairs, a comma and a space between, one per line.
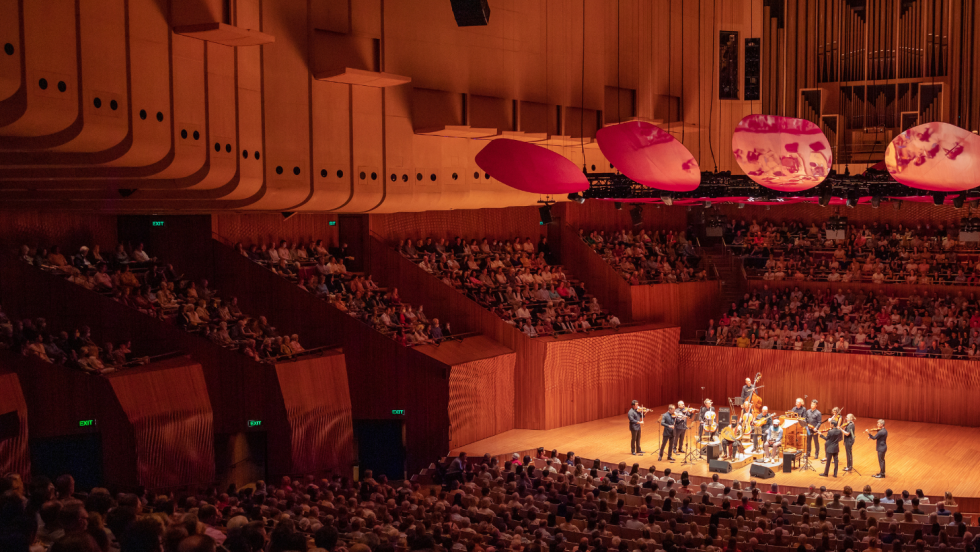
596, 377
69, 230
318, 409
14, 453
898, 290
870, 387
468, 224
481, 399
602, 280
259, 228
688, 305
602, 215
911, 213
170, 413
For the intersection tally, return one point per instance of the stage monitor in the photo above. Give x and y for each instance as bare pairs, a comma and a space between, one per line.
720, 466
761, 472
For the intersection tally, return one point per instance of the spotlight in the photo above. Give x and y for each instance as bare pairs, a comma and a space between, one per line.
707, 204
875, 201
938, 198
577, 198
959, 199
668, 199
636, 215
851, 201
897, 204
741, 206
618, 205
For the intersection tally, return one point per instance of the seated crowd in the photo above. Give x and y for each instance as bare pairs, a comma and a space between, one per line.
76, 349
645, 258
158, 290
544, 504
323, 273
851, 321
876, 253
519, 281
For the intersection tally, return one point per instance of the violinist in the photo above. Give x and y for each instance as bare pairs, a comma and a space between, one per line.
833, 439
880, 434
680, 426
635, 416
667, 421
848, 431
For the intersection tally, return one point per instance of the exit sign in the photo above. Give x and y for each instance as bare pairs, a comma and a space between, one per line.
86, 423
332, 223
157, 223
398, 412
254, 423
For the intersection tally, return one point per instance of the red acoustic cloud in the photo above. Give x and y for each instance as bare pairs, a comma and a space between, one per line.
938, 157
531, 168
782, 153
650, 156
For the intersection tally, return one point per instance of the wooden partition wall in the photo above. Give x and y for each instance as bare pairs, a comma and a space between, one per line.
870, 387
14, 454
688, 305
898, 290
557, 382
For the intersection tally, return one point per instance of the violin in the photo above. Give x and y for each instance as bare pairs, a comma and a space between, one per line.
642, 409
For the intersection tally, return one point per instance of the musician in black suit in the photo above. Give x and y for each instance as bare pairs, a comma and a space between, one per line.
636, 421
881, 435
848, 431
701, 416
680, 426
813, 419
667, 421
833, 438
747, 390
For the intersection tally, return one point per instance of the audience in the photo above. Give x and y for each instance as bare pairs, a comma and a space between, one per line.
326, 276
648, 259
141, 282
536, 505
518, 280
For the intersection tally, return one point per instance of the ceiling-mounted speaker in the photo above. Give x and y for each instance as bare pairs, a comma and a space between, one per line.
545, 212
471, 13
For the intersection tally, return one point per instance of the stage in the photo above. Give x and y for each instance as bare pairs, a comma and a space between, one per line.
934, 458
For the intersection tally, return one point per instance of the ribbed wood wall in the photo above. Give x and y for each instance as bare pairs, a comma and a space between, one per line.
507, 223
481, 393
14, 452
870, 387
259, 228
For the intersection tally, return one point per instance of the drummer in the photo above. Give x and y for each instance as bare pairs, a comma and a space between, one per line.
761, 433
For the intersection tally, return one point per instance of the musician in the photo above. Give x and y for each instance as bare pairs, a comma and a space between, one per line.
728, 446
680, 426
813, 419
848, 431
667, 421
636, 424
833, 439
747, 390
773, 443
880, 435
799, 409
760, 433
701, 415
745, 420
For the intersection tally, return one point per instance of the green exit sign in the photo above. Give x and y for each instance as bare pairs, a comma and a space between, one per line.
332, 223
398, 412
254, 423
157, 223
86, 423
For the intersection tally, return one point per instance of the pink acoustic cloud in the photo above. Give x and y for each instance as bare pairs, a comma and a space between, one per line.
531, 168
938, 157
782, 153
650, 156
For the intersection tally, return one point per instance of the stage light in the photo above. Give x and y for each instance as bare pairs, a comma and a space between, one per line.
959, 200
875, 201
897, 204
668, 199
938, 198
707, 204
741, 206
618, 205
825, 197
576, 197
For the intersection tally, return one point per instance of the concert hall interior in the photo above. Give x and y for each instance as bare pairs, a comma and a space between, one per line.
473, 275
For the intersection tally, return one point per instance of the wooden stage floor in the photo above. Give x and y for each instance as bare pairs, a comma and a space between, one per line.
934, 458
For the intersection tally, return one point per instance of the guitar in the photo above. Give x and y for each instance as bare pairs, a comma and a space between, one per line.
762, 421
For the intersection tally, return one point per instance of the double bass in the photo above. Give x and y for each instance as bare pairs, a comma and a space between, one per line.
755, 401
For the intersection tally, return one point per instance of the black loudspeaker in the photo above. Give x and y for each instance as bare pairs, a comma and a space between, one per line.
719, 466
470, 13
761, 472
9, 425
753, 69
724, 417
788, 458
636, 215
545, 212
711, 451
